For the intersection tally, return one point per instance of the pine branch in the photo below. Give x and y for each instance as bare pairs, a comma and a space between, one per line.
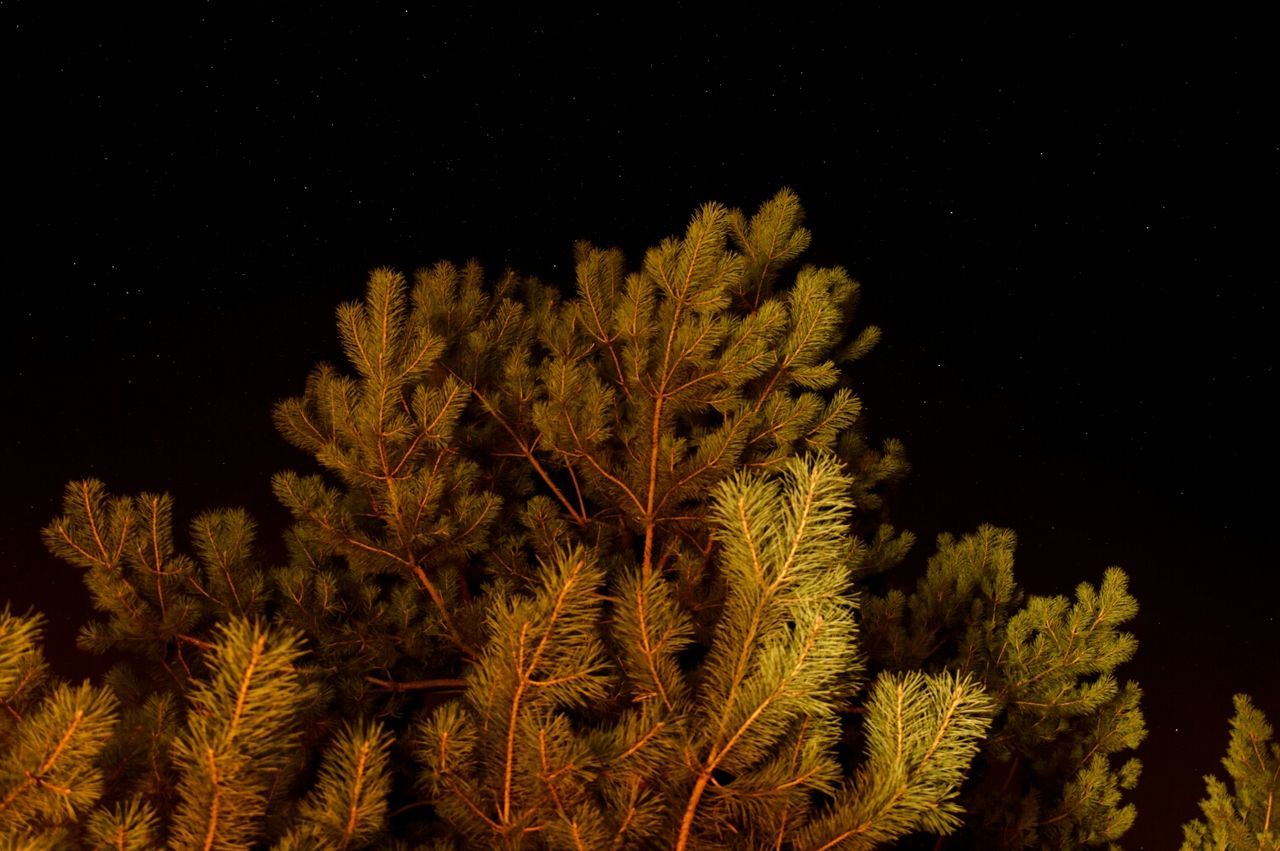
785, 642
921, 734
48, 776
772, 238
239, 735
1246, 814
132, 826
651, 632
23, 670
543, 658
348, 807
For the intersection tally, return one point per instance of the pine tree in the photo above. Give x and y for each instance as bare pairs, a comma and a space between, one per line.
1247, 815
1046, 776
576, 569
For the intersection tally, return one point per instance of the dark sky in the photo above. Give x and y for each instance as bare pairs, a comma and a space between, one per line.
1061, 229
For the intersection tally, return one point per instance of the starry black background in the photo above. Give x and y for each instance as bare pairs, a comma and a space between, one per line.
1061, 227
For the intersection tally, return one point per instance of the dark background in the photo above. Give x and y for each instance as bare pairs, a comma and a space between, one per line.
1060, 226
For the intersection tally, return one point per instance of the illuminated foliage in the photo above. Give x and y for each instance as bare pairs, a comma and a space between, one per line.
1045, 777
1246, 814
592, 568
737, 751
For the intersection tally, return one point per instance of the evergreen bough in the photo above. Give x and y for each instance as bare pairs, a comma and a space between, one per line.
608, 568
1245, 815
1046, 775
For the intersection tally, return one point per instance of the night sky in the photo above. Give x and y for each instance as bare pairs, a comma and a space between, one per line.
1060, 228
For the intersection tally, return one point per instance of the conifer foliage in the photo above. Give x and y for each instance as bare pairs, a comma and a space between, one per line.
737, 751
581, 569
53, 732
1046, 775
159, 604
1246, 814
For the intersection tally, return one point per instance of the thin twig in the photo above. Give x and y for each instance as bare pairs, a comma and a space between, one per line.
444, 684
